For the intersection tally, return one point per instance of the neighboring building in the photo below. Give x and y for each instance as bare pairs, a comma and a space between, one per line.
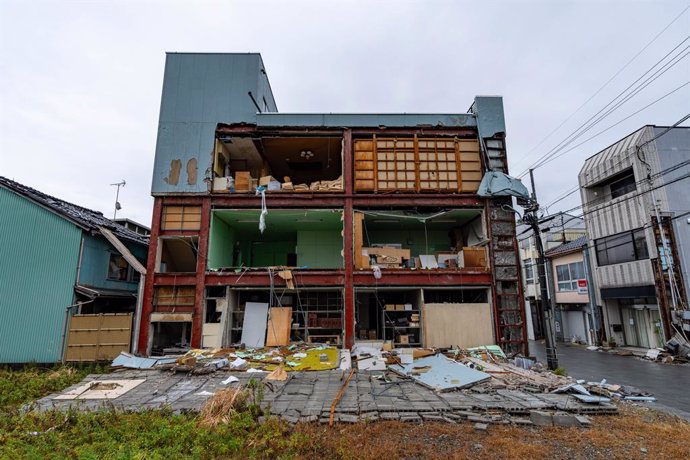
136, 227
576, 317
623, 188
562, 228
344, 193
58, 258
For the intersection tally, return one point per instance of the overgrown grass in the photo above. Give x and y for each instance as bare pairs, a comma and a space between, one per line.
161, 434
124, 435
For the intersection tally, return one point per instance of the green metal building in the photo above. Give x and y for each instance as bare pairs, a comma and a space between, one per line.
55, 260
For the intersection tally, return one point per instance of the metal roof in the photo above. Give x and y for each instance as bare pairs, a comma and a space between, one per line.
570, 246
83, 217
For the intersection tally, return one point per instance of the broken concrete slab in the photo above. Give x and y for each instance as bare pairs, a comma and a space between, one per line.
541, 418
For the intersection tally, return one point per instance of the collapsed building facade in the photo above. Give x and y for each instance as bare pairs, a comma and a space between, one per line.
364, 226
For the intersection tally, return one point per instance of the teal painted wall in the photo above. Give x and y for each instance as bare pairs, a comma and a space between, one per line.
38, 267
201, 90
94, 267
320, 249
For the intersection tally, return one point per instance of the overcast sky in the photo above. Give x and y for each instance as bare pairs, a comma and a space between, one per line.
80, 81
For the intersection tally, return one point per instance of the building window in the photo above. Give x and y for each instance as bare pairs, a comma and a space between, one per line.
622, 247
120, 270
529, 271
623, 183
181, 218
568, 274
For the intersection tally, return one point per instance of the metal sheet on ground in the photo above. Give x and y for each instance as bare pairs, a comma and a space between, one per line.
254, 325
440, 373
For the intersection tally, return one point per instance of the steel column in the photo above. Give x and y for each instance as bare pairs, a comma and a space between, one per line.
147, 303
200, 291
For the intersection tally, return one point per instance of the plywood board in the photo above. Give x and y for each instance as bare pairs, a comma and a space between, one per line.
463, 325
278, 329
254, 325
210, 335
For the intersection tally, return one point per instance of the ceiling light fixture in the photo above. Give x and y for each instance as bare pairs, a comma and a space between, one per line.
306, 154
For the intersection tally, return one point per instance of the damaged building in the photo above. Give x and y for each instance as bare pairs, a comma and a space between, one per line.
70, 279
269, 227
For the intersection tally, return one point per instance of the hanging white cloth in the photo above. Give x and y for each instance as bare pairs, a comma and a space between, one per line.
264, 210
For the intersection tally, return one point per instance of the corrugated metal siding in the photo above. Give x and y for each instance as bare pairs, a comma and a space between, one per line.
38, 263
199, 91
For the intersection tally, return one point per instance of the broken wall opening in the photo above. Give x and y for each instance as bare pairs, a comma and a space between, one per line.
428, 238
293, 238
389, 314
178, 254
287, 163
170, 337
317, 315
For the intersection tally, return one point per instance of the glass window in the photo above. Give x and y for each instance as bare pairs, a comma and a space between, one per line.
568, 274
622, 247
625, 184
118, 268
529, 271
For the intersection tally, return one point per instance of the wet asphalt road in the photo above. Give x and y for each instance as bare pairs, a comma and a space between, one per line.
669, 383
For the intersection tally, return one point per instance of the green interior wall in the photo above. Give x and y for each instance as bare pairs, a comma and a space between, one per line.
319, 249
236, 232
414, 240
220, 246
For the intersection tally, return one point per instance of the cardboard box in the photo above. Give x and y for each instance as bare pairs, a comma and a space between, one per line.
242, 181
220, 184
404, 339
472, 258
264, 180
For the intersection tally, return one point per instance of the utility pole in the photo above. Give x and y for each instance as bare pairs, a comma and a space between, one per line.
117, 197
532, 219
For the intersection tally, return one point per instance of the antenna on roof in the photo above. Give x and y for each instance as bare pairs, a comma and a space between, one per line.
117, 197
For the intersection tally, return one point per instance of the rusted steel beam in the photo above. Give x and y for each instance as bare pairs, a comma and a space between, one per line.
348, 242
147, 302
440, 277
325, 278
200, 294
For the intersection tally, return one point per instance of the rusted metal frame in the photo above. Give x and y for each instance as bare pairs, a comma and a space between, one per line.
173, 279
443, 277
409, 201
259, 277
279, 200
348, 240
428, 131
494, 297
316, 131
200, 295
147, 302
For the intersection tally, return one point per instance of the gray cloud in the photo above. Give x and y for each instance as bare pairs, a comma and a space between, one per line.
80, 82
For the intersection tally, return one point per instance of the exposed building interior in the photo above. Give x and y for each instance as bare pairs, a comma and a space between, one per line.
295, 238
294, 162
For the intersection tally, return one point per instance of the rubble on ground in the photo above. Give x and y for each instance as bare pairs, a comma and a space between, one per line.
480, 386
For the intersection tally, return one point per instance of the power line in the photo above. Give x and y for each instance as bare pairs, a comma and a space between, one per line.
593, 120
605, 84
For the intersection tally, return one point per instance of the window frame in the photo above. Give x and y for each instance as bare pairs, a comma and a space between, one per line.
529, 270
636, 238
572, 280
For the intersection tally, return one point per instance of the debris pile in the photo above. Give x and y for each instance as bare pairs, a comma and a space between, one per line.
296, 357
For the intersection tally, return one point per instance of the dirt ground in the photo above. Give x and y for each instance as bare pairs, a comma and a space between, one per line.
636, 433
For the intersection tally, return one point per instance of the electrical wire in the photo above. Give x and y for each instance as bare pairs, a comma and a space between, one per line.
529, 152
596, 118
